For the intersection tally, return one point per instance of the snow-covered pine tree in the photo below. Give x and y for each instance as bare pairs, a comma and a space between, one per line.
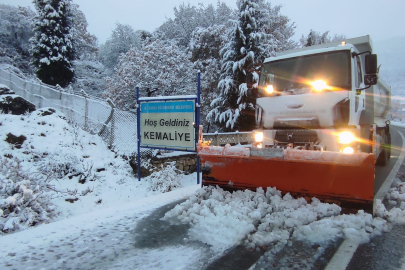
259, 32
52, 46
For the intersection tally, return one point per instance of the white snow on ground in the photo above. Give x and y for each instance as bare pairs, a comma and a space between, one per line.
101, 239
67, 170
259, 219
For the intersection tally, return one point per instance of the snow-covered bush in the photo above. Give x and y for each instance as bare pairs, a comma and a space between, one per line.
59, 165
165, 180
24, 201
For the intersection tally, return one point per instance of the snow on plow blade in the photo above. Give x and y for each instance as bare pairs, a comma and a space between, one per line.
344, 179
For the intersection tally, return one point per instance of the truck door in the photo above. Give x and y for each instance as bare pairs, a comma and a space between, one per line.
359, 96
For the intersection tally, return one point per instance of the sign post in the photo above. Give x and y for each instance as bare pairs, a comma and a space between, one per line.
138, 119
197, 126
168, 123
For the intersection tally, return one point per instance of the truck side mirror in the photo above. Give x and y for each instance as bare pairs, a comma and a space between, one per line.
371, 64
370, 78
249, 80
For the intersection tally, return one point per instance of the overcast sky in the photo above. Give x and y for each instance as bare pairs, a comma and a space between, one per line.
377, 18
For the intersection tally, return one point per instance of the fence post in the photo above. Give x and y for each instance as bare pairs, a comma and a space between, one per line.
39, 94
25, 90
86, 110
9, 72
112, 123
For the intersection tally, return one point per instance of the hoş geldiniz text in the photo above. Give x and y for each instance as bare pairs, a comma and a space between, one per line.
168, 123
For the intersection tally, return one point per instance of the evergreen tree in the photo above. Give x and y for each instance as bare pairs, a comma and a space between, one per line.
52, 46
259, 32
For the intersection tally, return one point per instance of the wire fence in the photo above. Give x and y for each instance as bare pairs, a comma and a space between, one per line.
117, 128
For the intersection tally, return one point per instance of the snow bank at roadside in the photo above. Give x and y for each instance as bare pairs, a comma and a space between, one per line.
260, 218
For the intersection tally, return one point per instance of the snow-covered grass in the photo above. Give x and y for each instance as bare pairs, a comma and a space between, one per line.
261, 219
59, 171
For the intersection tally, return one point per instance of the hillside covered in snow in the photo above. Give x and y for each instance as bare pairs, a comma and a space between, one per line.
51, 170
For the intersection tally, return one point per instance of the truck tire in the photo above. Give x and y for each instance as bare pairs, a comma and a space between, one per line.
388, 146
385, 154
382, 158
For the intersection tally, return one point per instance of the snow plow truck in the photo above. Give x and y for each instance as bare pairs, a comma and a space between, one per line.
321, 127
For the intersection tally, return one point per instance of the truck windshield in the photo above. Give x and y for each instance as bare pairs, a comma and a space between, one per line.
297, 75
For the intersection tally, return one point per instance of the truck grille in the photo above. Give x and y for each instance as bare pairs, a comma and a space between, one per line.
307, 123
296, 136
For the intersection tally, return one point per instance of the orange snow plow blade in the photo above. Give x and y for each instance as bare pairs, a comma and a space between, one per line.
344, 179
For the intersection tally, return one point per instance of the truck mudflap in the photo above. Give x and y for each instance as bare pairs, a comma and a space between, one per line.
344, 179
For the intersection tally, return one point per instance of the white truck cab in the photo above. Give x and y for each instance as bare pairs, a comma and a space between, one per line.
326, 97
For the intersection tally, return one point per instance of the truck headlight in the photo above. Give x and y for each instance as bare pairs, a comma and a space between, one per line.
258, 137
270, 89
346, 137
348, 150
319, 85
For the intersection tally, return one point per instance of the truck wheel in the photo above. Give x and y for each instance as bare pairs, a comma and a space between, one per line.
385, 154
389, 147
382, 158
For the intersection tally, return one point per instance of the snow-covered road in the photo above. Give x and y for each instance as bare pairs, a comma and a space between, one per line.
100, 240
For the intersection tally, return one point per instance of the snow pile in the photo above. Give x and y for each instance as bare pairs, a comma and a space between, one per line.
396, 202
396, 194
165, 180
260, 219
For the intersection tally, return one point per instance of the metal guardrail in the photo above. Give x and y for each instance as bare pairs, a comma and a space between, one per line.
233, 138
